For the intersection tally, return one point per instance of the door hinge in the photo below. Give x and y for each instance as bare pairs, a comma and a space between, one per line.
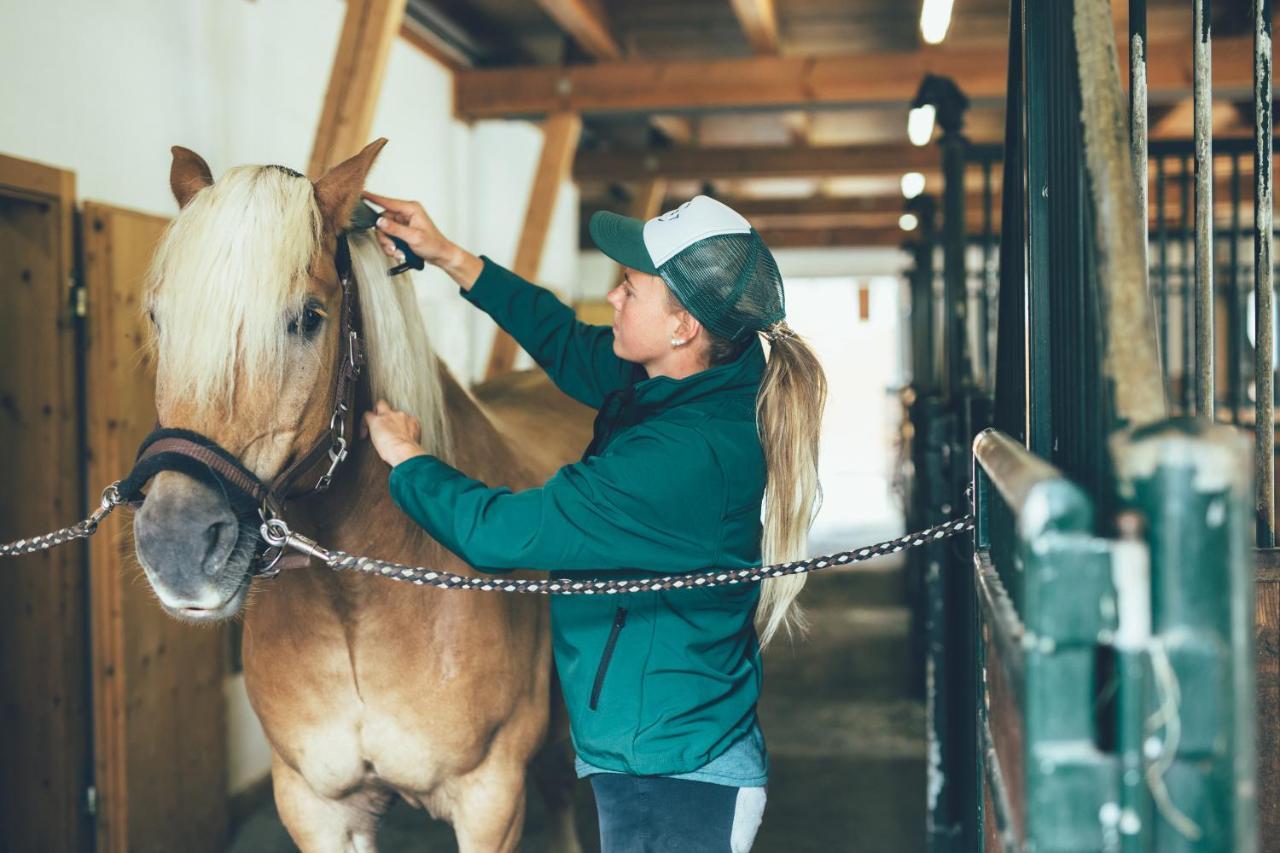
79, 300
91, 800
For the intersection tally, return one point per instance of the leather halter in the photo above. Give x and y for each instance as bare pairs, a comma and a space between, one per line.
203, 458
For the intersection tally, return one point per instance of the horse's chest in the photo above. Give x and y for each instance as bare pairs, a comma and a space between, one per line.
345, 714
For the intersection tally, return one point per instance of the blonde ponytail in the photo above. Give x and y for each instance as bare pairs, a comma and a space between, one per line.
789, 405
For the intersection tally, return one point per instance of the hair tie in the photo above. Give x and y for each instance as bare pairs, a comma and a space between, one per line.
778, 331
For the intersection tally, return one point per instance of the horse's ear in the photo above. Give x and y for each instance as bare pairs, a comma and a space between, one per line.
188, 175
339, 190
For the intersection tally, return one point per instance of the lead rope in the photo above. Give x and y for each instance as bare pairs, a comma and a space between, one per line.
278, 535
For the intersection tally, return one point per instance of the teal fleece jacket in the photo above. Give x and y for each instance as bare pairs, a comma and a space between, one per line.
656, 682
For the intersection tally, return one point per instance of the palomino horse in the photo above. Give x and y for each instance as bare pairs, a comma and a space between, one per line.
367, 689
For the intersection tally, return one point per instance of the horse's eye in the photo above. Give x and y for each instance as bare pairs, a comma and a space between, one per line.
308, 323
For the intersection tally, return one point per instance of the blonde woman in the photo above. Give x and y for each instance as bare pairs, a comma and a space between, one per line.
696, 429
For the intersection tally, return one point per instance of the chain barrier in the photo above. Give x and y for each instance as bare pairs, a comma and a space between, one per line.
277, 534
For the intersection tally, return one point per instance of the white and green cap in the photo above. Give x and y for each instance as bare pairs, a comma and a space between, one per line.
709, 255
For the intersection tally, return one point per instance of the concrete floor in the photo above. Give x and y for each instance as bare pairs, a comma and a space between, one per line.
846, 742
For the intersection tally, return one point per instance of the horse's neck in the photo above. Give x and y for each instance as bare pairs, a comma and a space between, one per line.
358, 515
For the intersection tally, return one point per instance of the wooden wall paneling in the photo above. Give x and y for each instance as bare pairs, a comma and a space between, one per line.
560, 141
160, 717
44, 697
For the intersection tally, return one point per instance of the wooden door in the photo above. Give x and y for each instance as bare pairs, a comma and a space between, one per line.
44, 720
159, 711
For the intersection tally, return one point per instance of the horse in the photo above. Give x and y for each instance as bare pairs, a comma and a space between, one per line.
366, 689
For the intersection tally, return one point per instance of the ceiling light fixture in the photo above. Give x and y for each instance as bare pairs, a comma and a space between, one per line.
912, 184
920, 124
935, 18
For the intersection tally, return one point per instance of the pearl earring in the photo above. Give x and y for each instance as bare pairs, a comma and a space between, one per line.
677, 342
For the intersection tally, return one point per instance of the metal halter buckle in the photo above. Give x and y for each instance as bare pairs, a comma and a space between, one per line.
353, 352
337, 453
110, 500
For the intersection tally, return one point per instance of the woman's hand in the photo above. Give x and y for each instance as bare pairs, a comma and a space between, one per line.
395, 435
409, 221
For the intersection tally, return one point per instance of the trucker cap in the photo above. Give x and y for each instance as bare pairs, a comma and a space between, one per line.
708, 254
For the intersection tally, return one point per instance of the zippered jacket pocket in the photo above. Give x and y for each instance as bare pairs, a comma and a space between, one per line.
619, 619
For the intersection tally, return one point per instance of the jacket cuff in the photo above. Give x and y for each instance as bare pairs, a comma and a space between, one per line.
492, 287
406, 472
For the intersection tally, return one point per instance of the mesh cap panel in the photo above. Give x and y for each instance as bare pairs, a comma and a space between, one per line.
730, 282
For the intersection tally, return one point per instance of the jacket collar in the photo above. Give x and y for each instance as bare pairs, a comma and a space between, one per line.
739, 377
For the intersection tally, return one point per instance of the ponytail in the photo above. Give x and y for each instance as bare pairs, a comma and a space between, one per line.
789, 405
793, 394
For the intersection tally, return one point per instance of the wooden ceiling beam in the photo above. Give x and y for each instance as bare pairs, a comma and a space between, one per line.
759, 23
355, 80
850, 238
754, 162
796, 81
586, 24
560, 134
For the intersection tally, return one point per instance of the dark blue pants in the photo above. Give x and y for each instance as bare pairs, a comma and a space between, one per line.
657, 814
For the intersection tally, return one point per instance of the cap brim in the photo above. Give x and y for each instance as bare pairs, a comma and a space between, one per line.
621, 238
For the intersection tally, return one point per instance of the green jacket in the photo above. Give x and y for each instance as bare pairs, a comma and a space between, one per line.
656, 683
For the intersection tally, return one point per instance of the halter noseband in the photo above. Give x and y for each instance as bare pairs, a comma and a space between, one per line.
198, 456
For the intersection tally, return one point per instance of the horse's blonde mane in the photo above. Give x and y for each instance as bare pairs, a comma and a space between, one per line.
405, 370
236, 262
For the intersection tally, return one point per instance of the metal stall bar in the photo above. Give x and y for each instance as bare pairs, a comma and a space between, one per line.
1235, 317
1038, 77
1138, 109
985, 324
1202, 62
1264, 335
1186, 299
1162, 239
923, 380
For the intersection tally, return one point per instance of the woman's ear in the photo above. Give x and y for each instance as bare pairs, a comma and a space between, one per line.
688, 328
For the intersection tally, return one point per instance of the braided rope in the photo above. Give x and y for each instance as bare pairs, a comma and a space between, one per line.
421, 576
705, 579
80, 530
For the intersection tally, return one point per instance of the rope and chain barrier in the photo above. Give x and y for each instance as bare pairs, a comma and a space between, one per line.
277, 534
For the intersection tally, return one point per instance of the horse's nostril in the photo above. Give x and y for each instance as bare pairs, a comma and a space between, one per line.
219, 538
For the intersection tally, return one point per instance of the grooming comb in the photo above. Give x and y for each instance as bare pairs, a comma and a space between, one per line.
364, 218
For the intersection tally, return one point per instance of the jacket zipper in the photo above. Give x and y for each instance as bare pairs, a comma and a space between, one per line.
619, 619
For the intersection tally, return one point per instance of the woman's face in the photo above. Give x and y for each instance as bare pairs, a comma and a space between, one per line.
643, 322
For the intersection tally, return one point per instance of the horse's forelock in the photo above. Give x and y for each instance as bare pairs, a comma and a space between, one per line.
231, 266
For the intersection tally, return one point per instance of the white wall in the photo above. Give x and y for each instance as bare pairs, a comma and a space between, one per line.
105, 87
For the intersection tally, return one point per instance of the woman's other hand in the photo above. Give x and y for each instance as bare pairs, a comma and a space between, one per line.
395, 435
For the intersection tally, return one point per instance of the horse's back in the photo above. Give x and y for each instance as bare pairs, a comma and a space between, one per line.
546, 426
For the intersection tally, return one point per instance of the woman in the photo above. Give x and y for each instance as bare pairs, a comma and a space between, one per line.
695, 430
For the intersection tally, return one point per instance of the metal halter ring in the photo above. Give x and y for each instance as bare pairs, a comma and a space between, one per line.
275, 532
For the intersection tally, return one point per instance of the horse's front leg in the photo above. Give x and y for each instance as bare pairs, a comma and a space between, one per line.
318, 824
489, 806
